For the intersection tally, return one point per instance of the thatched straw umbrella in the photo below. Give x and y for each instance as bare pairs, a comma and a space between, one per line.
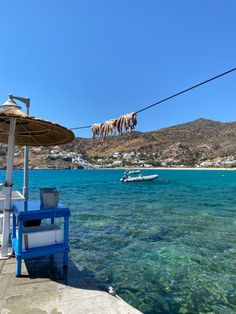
16, 128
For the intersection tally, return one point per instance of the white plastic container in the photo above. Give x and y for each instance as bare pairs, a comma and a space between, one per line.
42, 236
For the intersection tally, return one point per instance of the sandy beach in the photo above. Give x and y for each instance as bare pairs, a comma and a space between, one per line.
192, 168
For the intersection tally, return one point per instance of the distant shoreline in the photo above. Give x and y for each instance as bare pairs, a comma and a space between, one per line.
168, 168
137, 168
192, 168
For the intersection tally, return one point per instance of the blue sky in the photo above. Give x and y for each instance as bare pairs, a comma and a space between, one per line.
87, 61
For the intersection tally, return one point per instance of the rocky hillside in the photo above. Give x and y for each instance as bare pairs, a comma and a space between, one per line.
200, 142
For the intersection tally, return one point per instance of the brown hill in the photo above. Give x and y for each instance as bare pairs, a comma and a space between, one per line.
201, 135
185, 144
189, 143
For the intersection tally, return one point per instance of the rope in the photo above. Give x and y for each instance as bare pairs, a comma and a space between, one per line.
172, 96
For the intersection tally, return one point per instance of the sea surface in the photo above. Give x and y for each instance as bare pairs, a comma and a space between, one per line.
167, 246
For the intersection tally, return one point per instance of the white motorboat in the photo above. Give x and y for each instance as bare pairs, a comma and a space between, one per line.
128, 176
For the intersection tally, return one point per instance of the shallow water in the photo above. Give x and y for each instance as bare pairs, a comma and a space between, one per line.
166, 246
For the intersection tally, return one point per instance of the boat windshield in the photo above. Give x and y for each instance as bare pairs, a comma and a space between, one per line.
131, 172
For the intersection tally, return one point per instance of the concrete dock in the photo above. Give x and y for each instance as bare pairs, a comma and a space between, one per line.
46, 288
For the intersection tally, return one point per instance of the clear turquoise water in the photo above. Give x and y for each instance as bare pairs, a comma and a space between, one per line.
167, 246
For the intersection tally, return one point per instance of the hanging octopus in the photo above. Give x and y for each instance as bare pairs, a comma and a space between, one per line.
108, 128
128, 121
96, 129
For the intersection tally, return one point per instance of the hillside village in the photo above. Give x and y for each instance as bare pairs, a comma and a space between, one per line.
201, 143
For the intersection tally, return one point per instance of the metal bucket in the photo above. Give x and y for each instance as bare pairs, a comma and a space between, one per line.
49, 197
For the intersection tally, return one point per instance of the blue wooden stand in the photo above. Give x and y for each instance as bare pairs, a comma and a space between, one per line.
29, 211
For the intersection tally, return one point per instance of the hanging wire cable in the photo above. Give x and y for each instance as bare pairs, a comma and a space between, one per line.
186, 90
81, 127
173, 96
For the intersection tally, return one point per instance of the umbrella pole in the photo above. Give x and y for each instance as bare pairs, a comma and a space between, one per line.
26, 175
7, 189
26, 101
26, 157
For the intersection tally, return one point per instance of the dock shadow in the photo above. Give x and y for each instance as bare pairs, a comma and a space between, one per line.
52, 268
